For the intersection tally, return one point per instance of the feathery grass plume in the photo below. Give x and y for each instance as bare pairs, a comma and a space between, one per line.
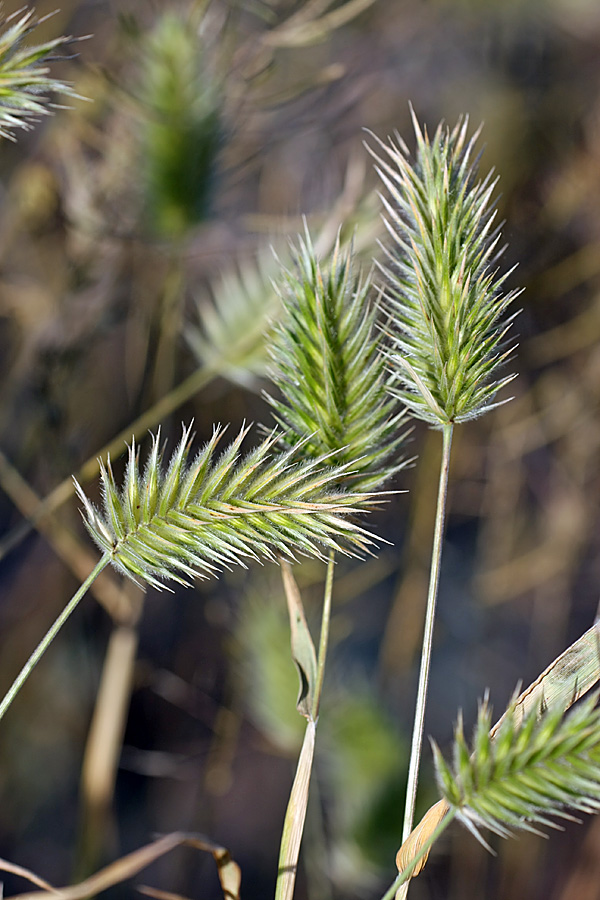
25, 82
443, 293
330, 371
189, 519
528, 770
182, 131
233, 328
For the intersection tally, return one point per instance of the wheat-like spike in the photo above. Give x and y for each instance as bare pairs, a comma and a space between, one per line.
25, 82
442, 291
186, 519
230, 336
180, 121
532, 769
329, 368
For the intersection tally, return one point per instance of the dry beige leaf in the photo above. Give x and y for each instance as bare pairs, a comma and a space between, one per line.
418, 836
132, 863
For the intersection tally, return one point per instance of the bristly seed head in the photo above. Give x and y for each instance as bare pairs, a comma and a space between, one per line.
526, 771
330, 371
25, 80
443, 292
195, 518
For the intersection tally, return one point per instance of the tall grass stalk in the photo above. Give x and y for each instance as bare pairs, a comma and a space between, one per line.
434, 580
445, 301
50, 635
324, 636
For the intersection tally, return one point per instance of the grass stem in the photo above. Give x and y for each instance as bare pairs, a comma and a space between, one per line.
434, 578
295, 815
50, 635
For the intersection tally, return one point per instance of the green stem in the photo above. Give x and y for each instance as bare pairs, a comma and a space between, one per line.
295, 815
49, 636
434, 579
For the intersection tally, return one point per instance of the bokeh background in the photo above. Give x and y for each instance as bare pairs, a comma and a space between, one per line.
135, 235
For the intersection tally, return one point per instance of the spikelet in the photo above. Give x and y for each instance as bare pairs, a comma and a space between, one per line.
177, 521
330, 371
443, 294
25, 82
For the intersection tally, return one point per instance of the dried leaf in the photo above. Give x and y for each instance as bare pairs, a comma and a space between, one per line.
132, 863
303, 649
567, 678
294, 818
418, 836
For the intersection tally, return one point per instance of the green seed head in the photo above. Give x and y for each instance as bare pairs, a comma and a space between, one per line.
443, 293
25, 80
330, 371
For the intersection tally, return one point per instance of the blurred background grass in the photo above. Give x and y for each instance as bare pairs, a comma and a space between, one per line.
134, 237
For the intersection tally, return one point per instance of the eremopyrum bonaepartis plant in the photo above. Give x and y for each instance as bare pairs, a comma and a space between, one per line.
332, 397
447, 306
